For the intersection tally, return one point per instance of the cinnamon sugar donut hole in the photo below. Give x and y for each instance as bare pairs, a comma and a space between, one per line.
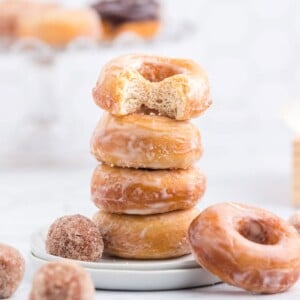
75, 237
146, 237
12, 268
295, 220
247, 247
145, 141
130, 191
62, 281
176, 88
59, 27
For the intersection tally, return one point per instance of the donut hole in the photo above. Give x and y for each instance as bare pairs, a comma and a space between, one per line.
258, 231
145, 110
157, 72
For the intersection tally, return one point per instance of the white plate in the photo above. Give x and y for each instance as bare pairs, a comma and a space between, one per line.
113, 263
144, 280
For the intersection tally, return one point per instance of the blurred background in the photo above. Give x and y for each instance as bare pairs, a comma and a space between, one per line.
250, 50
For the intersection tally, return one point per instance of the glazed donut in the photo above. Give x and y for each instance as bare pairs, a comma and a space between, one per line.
146, 237
145, 192
246, 247
143, 29
62, 281
58, 27
135, 16
12, 10
176, 88
143, 141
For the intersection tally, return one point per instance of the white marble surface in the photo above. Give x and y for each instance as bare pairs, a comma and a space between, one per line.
31, 198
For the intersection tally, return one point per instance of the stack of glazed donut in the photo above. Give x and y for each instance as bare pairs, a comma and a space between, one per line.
146, 186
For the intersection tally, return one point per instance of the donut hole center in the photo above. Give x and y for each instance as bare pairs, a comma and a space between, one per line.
258, 231
157, 72
145, 110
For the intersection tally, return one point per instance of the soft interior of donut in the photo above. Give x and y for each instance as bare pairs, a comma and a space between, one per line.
258, 231
160, 99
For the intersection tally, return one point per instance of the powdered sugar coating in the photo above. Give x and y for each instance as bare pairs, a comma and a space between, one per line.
295, 220
130, 191
61, 281
12, 268
75, 237
246, 247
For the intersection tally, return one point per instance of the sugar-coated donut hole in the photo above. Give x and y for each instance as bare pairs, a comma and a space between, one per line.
75, 237
61, 281
157, 72
258, 231
12, 267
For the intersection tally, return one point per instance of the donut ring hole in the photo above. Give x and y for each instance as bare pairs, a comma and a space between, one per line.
258, 231
157, 72
145, 110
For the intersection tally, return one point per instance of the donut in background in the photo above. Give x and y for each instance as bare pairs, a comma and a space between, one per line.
120, 16
58, 27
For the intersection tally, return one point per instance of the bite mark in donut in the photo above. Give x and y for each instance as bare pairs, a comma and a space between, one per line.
175, 88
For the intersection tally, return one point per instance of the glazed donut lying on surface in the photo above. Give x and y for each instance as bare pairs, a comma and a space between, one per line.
176, 88
145, 192
246, 247
135, 16
146, 237
143, 141
58, 27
